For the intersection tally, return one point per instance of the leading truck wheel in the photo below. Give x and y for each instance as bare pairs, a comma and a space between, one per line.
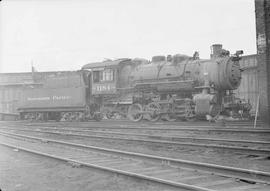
189, 113
134, 112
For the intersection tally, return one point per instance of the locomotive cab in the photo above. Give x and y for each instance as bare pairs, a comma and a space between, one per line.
105, 76
108, 84
104, 81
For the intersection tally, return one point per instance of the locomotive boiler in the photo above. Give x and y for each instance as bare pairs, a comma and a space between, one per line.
169, 87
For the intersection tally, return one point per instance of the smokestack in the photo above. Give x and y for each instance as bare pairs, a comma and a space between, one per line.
216, 50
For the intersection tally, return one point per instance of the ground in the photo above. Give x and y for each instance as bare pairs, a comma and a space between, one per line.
20, 171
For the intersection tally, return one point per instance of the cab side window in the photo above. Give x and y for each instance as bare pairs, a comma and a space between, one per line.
96, 76
107, 75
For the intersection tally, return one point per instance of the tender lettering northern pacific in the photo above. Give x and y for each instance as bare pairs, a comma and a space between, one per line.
48, 98
38, 98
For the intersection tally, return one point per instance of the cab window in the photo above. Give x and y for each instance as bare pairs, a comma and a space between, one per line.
103, 76
107, 75
96, 76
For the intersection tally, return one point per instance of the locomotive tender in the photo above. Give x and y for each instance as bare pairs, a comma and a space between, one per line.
63, 96
169, 87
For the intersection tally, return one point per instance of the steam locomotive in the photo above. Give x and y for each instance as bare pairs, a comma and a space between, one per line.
169, 87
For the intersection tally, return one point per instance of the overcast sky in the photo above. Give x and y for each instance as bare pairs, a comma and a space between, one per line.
66, 34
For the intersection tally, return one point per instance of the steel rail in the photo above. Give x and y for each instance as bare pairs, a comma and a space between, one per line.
231, 124
112, 170
152, 136
245, 174
246, 149
178, 128
246, 122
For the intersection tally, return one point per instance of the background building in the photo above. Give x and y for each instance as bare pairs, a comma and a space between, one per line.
262, 9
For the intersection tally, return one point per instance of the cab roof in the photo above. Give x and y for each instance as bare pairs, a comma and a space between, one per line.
107, 63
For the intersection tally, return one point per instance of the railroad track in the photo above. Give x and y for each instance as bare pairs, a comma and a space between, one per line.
155, 136
262, 149
179, 127
113, 123
185, 175
160, 136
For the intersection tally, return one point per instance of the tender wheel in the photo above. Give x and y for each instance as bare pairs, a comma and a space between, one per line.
134, 112
169, 117
98, 116
107, 113
154, 110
